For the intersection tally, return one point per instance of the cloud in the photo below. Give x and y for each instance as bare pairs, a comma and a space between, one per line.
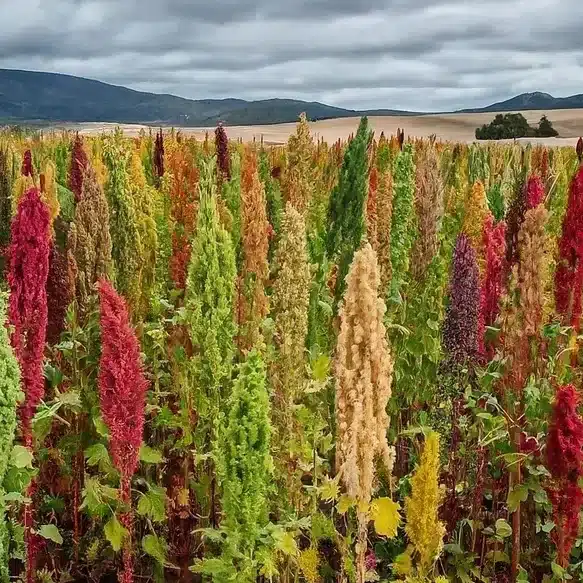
421, 55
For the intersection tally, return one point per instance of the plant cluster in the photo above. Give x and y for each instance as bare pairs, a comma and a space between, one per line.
304, 363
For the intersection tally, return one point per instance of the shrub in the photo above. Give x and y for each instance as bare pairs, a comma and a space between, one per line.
514, 125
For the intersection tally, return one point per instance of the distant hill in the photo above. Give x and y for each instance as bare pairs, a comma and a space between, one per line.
31, 96
533, 101
52, 97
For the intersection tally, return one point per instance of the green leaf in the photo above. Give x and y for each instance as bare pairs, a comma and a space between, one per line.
329, 490
498, 557
96, 453
18, 549
345, 502
153, 504
321, 368
433, 324
219, 567
18, 479
516, 496
522, 576
21, 457
559, 571
101, 427
95, 495
115, 532
70, 398
155, 547
414, 346
547, 526
149, 455
51, 532
53, 375
16, 497
540, 497
386, 517
503, 529
286, 543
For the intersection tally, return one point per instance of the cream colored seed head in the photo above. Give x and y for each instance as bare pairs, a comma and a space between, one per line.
363, 370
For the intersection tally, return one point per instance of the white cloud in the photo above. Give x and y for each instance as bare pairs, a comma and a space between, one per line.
419, 54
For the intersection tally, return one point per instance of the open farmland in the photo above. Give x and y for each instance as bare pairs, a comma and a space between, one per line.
334, 361
457, 127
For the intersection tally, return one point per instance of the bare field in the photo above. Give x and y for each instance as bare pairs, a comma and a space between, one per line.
458, 127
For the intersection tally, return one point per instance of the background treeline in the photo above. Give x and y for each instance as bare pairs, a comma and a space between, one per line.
514, 125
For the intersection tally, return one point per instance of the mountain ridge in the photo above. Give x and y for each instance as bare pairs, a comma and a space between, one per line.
46, 97
55, 97
536, 100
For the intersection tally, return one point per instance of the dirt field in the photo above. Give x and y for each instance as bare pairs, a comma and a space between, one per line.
450, 127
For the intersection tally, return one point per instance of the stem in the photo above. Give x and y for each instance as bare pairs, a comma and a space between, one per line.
516, 515
361, 548
127, 573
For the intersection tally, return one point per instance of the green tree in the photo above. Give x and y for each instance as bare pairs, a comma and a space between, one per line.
504, 127
546, 129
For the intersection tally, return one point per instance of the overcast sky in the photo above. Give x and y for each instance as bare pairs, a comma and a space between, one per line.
422, 55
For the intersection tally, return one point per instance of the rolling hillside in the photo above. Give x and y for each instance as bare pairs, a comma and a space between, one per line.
30, 96
52, 97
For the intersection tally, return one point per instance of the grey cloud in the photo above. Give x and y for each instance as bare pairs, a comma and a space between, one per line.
409, 54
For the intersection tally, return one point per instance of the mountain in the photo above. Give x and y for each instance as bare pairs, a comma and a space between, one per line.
53, 97
32, 96
526, 101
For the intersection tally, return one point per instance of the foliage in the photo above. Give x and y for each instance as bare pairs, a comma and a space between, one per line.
89, 241
569, 273
253, 302
346, 211
122, 385
210, 290
59, 293
403, 220
460, 328
244, 469
288, 374
564, 461
127, 247
5, 196
423, 527
514, 125
27, 308
298, 180
78, 165
270, 446
10, 395
222, 151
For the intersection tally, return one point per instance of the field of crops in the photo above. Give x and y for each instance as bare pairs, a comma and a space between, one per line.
347, 362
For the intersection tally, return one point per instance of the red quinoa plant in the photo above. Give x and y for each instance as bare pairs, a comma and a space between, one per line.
122, 393
27, 169
569, 272
183, 208
27, 313
27, 310
565, 463
494, 241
